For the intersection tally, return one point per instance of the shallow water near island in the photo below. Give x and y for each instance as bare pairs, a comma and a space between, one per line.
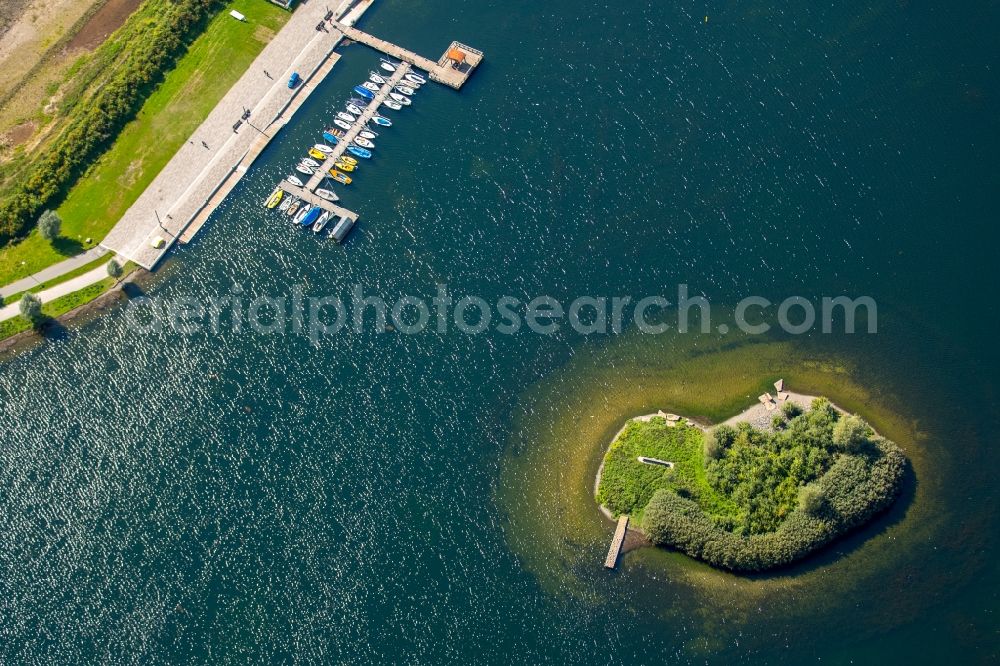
420, 499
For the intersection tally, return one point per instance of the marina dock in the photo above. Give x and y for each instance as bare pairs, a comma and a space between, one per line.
183, 196
452, 69
348, 139
611, 561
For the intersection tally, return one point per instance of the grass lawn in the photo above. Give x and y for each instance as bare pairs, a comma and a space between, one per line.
64, 304
627, 484
213, 63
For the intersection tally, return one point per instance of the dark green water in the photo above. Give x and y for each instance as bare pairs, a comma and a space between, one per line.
244, 498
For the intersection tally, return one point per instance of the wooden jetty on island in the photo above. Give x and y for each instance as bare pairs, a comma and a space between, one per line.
611, 561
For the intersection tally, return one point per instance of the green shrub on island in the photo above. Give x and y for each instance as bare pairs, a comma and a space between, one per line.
761, 499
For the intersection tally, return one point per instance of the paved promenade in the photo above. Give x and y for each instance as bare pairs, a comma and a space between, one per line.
67, 287
53, 271
196, 172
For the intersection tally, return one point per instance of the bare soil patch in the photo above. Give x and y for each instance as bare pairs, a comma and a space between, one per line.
108, 18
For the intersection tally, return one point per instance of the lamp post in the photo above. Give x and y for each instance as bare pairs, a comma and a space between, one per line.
246, 118
25, 263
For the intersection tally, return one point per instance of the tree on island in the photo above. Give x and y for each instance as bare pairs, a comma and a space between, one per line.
851, 433
115, 269
31, 309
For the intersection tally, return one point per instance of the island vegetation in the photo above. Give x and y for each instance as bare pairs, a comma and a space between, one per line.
747, 498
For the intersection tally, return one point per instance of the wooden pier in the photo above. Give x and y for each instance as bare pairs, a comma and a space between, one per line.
348, 139
611, 561
316, 200
452, 69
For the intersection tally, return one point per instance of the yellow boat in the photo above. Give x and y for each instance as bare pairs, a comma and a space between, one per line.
344, 166
347, 159
340, 177
275, 197
318, 155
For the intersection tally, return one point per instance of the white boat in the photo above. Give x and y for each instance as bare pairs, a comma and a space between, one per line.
326, 194
302, 168
402, 99
302, 213
356, 110
323, 148
295, 181
406, 90
309, 162
321, 222
346, 117
363, 142
286, 203
340, 123
415, 78
395, 106
376, 78
368, 85
367, 134
389, 67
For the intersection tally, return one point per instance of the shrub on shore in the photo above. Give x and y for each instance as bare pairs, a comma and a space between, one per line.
30, 307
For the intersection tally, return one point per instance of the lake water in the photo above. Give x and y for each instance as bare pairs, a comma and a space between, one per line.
241, 497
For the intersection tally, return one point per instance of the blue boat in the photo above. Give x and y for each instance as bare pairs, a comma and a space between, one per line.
311, 216
359, 151
364, 92
294, 79
382, 120
329, 137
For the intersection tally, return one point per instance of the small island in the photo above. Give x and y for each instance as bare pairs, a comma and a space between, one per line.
762, 490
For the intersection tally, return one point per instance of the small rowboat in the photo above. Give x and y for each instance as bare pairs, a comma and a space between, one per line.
363, 142
321, 222
323, 148
370, 87
363, 153
395, 106
388, 66
295, 181
346, 117
382, 120
341, 123
340, 177
355, 109
317, 154
415, 78
367, 134
294, 208
326, 194
364, 92
311, 216
375, 78
310, 162
406, 90
302, 168
347, 159
402, 99
275, 198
